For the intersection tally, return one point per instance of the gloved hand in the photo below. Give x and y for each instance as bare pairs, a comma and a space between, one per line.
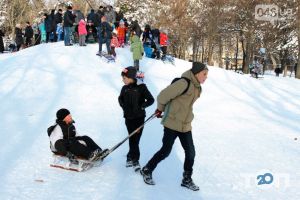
158, 113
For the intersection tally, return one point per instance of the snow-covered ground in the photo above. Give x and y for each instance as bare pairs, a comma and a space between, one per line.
243, 128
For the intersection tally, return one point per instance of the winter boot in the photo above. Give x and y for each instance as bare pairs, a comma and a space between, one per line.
129, 162
94, 156
136, 166
187, 181
72, 158
147, 175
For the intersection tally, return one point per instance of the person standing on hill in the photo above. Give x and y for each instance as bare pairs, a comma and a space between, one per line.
176, 101
136, 47
134, 99
69, 20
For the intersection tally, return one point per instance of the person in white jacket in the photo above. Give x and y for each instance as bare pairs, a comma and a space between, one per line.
65, 140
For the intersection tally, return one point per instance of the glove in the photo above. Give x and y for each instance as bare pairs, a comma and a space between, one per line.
142, 54
158, 113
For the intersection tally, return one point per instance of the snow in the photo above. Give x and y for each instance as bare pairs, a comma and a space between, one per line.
243, 128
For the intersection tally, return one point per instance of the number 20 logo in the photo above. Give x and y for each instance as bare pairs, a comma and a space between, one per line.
267, 178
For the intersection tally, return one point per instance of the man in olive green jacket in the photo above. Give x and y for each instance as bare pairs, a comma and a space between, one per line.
176, 101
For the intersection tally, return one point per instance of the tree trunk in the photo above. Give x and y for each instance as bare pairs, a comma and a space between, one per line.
210, 51
220, 52
248, 55
236, 53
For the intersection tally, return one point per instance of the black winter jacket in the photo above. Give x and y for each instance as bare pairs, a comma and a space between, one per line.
69, 130
134, 99
28, 32
19, 36
69, 19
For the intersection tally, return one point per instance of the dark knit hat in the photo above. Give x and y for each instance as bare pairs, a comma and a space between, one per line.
129, 72
198, 67
62, 113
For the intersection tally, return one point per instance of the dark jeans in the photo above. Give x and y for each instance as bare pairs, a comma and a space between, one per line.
28, 41
67, 39
136, 64
113, 52
168, 140
75, 147
164, 51
134, 150
107, 42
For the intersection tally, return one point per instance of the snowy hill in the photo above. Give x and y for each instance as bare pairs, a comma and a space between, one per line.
243, 128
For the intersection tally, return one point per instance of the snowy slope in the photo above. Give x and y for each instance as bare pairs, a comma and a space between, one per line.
243, 128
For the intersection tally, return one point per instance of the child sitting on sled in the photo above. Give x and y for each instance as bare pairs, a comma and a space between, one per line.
65, 140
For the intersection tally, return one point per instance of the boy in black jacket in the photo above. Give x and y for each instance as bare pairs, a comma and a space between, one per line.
134, 98
65, 140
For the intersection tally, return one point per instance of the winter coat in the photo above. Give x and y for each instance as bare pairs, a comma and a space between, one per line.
111, 16
78, 16
28, 32
19, 36
47, 22
1, 41
97, 18
82, 28
42, 28
136, 28
69, 19
52, 22
114, 42
147, 37
119, 16
91, 16
134, 99
63, 131
121, 32
163, 39
105, 30
58, 18
136, 47
177, 108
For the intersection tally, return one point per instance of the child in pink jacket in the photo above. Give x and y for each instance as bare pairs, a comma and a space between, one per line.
114, 44
82, 32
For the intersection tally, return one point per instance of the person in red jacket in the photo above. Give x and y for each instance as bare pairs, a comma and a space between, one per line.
82, 32
163, 43
121, 33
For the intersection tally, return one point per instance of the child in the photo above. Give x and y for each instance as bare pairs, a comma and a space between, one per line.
121, 33
65, 140
59, 32
163, 43
133, 99
136, 47
42, 29
114, 44
82, 32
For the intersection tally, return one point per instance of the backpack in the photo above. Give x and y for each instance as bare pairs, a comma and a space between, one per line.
50, 129
187, 80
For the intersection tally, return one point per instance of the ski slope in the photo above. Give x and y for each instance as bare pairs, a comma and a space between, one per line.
243, 128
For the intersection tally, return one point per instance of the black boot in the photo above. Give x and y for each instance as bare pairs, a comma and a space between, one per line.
147, 175
187, 181
136, 166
